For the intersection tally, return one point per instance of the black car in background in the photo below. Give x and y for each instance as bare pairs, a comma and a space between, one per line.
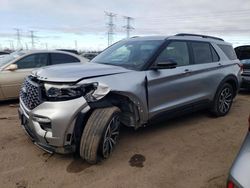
4, 53
243, 54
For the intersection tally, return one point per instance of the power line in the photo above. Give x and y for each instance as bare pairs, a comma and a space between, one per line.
128, 27
111, 26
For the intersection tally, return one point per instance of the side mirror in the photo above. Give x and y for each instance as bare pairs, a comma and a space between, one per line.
168, 64
11, 67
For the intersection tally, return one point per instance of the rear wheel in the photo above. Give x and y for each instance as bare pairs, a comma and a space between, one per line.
223, 100
100, 134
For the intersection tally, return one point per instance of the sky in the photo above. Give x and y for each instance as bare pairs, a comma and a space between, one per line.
82, 24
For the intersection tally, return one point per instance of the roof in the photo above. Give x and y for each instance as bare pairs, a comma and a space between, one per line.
182, 36
83, 59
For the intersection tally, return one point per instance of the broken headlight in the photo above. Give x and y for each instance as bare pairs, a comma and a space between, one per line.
90, 91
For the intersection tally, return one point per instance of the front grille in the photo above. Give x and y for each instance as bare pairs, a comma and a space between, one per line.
30, 93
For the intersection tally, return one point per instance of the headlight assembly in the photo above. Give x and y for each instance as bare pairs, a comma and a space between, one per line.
90, 91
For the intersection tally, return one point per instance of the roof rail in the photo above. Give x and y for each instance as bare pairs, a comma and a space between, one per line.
197, 35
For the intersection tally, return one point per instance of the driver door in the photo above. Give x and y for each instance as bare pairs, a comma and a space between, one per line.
11, 80
169, 89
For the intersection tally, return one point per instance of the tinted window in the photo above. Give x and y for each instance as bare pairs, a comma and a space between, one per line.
214, 54
177, 51
57, 58
243, 52
202, 52
33, 61
229, 51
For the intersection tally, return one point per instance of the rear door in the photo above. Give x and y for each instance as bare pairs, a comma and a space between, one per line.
11, 81
207, 69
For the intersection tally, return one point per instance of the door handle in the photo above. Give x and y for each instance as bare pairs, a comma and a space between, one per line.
219, 64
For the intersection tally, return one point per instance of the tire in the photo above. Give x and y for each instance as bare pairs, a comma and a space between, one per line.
100, 134
223, 100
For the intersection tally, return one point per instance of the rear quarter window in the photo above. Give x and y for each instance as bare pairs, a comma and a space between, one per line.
228, 51
60, 58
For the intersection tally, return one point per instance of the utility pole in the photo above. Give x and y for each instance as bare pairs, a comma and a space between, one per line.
128, 27
76, 45
26, 45
19, 45
32, 39
111, 26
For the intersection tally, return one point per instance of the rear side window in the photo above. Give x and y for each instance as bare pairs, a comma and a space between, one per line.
57, 58
228, 51
204, 53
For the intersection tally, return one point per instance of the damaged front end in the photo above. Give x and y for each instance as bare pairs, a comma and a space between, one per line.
49, 111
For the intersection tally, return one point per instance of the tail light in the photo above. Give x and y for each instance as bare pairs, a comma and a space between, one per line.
241, 67
230, 184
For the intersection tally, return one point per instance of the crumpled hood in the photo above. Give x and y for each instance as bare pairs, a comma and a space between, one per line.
75, 72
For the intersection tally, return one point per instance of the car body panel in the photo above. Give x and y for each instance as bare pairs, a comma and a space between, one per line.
130, 84
11, 82
58, 116
78, 72
239, 172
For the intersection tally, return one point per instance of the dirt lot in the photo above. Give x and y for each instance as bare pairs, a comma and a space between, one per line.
192, 151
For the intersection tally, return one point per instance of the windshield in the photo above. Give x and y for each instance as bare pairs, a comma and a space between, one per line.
128, 54
8, 58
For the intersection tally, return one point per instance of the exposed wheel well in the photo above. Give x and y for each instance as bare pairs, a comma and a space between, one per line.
129, 111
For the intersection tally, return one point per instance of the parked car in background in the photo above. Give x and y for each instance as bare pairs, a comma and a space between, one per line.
239, 176
4, 53
243, 54
17, 65
134, 82
89, 55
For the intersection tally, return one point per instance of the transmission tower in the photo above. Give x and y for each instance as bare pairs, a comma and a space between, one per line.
128, 27
18, 37
111, 26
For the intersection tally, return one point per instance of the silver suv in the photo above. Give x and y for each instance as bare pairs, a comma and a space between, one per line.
135, 82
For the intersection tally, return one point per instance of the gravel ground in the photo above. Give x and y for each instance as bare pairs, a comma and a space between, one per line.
192, 151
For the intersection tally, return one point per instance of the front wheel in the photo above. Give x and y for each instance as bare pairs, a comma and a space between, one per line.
100, 134
223, 100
